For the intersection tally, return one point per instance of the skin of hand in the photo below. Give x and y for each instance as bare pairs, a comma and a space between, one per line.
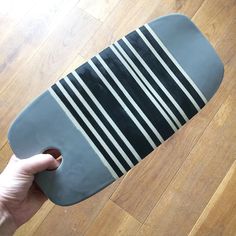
20, 198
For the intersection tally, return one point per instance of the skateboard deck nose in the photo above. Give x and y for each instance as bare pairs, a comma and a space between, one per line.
113, 110
192, 51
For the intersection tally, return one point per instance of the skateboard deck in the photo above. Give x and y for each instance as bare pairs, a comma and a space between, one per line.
112, 111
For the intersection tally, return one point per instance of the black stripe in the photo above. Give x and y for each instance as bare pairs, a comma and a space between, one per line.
113, 108
131, 108
137, 94
160, 93
90, 102
173, 67
125, 100
86, 129
152, 83
95, 125
137, 42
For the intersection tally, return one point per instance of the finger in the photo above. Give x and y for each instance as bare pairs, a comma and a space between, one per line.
11, 163
38, 163
54, 152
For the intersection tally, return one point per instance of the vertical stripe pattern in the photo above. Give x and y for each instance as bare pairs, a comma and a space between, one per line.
128, 99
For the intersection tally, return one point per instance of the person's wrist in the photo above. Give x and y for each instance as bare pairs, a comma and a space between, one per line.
7, 225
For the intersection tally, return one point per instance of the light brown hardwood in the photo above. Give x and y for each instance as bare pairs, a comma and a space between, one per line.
218, 217
187, 185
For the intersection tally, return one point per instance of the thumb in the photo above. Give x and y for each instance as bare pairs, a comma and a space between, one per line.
38, 163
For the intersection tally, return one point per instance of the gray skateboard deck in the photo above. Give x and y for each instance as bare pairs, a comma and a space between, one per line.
112, 111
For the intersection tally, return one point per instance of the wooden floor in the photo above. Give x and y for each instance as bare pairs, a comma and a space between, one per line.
185, 187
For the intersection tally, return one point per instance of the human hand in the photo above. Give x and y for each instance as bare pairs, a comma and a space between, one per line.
20, 198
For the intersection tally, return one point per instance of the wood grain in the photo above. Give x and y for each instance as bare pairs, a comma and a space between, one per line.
33, 224
75, 220
196, 181
28, 35
5, 154
11, 12
118, 23
219, 216
113, 220
46, 66
79, 60
99, 9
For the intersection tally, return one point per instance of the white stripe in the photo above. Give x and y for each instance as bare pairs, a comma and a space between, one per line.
76, 124
131, 100
162, 87
149, 95
98, 137
121, 101
105, 114
168, 70
99, 122
176, 63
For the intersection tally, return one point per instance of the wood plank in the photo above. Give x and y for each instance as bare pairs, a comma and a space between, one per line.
152, 176
75, 63
29, 228
113, 220
188, 194
217, 22
213, 19
119, 23
44, 68
5, 154
219, 216
11, 12
99, 9
76, 219
25, 38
